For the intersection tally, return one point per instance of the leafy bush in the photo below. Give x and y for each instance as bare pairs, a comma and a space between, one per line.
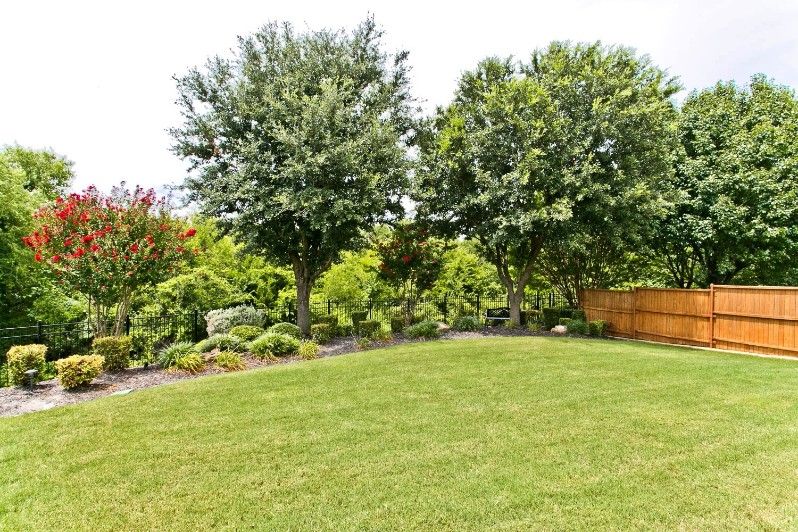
425, 329
534, 317
346, 330
368, 327
21, 358
115, 350
229, 361
190, 363
567, 312
577, 327
247, 333
171, 353
397, 324
308, 350
598, 328
222, 342
357, 317
328, 319
381, 335
220, 321
78, 370
467, 323
579, 315
551, 318
286, 328
322, 332
274, 345
566, 321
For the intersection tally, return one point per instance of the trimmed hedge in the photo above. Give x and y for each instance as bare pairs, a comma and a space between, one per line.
357, 317
78, 370
327, 319
577, 327
368, 327
579, 315
115, 350
424, 329
467, 323
286, 328
274, 345
598, 328
22, 358
322, 332
397, 324
551, 318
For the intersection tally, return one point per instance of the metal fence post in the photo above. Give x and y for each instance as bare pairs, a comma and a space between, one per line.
127, 325
371, 309
551, 299
195, 326
329, 307
478, 305
39, 334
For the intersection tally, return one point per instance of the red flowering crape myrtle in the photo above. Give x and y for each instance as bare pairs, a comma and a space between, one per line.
107, 246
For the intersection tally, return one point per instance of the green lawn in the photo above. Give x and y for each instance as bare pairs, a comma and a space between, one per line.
507, 433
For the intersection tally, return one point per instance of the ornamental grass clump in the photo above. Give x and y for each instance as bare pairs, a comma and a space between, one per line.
190, 363
229, 361
115, 350
78, 370
22, 358
308, 350
223, 342
168, 356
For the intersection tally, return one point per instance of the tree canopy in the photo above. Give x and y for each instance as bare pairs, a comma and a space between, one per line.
298, 142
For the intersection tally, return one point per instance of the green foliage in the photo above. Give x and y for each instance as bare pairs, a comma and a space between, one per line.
330, 320
222, 342
247, 333
345, 330
286, 328
397, 324
551, 318
566, 321
21, 358
222, 320
733, 193
357, 317
424, 329
579, 314
597, 328
274, 345
78, 370
567, 312
487, 169
368, 328
308, 350
354, 278
409, 259
190, 363
296, 134
534, 317
198, 288
229, 361
168, 356
464, 272
467, 323
577, 327
322, 332
115, 350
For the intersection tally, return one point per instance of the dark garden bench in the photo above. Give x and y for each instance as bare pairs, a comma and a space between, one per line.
494, 315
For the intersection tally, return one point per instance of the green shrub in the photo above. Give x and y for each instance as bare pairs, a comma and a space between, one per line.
286, 328
308, 350
566, 321
597, 328
579, 315
467, 323
346, 330
577, 327
397, 324
220, 321
328, 319
229, 361
567, 312
534, 317
322, 332
368, 327
424, 329
551, 318
247, 333
381, 335
222, 342
274, 345
357, 317
169, 354
115, 350
190, 363
78, 370
22, 358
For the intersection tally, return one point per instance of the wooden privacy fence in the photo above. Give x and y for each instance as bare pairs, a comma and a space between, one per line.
758, 319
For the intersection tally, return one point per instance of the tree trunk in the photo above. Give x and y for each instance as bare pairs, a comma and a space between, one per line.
515, 299
303, 286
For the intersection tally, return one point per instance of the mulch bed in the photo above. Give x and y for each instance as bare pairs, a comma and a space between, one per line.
48, 394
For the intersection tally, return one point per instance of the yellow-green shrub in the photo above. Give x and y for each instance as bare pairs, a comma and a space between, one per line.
78, 370
229, 361
21, 358
308, 350
191, 363
115, 350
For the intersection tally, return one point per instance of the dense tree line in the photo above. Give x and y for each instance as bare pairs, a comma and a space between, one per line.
575, 167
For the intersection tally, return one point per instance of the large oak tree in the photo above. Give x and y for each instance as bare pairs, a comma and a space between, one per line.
527, 154
298, 142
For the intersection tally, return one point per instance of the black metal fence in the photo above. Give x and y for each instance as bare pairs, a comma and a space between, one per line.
151, 332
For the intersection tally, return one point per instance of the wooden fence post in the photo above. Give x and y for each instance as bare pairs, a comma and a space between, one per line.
634, 313
712, 315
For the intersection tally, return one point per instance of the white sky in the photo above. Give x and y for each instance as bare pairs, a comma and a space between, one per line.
92, 80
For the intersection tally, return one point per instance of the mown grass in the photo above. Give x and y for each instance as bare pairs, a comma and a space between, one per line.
504, 433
